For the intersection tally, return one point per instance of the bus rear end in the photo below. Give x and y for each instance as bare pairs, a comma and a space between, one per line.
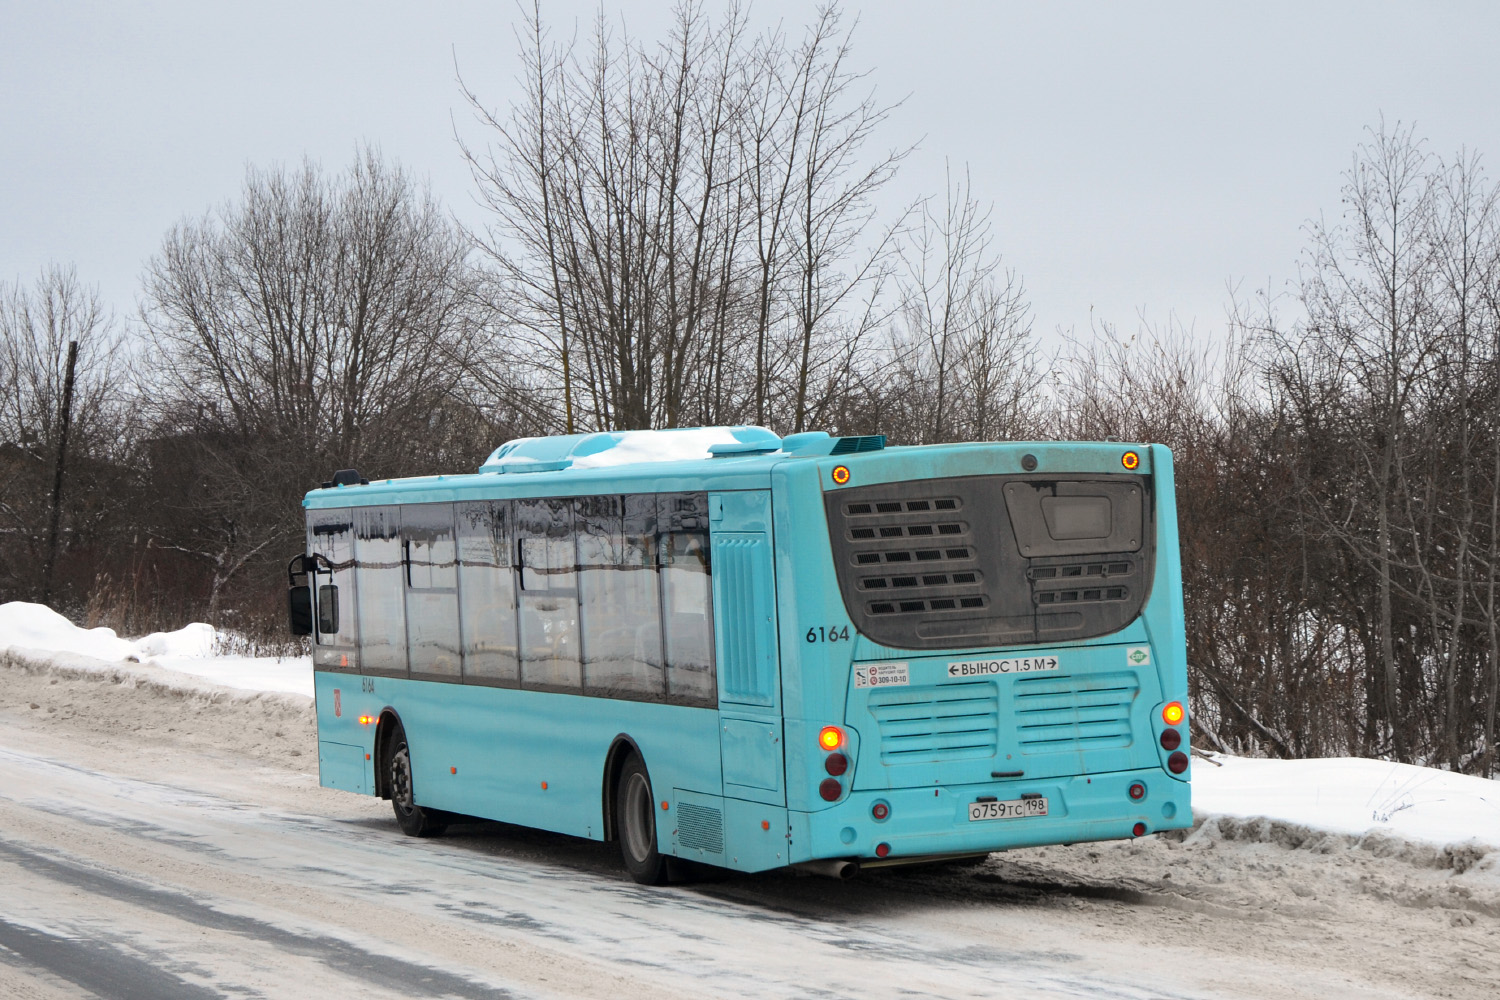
991, 653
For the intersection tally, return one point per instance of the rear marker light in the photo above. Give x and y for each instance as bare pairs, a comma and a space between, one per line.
1173, 713
1171, 739
882, 850
880, 810
452, 770
1137, 791
765, 824
1177, 763
841, 474
831, 738
1130, 460
544, 786
1139, 830
836, 764
830, 789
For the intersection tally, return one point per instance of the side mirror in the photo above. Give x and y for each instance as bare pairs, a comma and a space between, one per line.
328, 609
299, 610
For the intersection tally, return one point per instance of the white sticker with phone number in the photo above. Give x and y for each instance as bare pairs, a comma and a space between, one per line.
876, 675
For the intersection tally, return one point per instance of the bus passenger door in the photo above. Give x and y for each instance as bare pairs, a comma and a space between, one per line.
750, 734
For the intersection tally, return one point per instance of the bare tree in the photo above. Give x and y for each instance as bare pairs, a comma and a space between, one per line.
37, 325
318, 322
967, 363
672, 221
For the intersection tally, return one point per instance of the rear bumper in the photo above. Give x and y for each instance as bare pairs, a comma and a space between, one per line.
928, 821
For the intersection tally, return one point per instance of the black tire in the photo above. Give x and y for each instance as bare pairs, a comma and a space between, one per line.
635, 824
413, 819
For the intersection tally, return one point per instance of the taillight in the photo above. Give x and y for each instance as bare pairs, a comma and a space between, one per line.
1171, 739
836, 764
1137, 792
1177, 763
830, 789
880, 810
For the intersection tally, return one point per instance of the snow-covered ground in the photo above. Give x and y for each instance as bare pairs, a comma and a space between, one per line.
1347, 796
39, 633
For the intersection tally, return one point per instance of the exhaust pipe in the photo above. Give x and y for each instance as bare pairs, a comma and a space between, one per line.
839, 868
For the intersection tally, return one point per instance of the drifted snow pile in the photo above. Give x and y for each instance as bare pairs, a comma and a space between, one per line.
1360, 799
1348, 797
38, 633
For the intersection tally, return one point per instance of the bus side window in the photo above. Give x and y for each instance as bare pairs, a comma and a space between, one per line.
687, 599
618, 597
549, 595
330, 533
431, 590
487, 593
380, 590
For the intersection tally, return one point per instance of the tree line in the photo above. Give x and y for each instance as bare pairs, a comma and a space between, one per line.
689, 231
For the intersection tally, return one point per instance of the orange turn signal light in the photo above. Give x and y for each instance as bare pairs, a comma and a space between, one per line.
1130, 460
1173, 713
841, 474
831, 738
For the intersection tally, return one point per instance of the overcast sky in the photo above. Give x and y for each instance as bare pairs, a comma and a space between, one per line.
1139, 156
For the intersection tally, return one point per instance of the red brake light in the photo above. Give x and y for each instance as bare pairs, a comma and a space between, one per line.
1171, 739
1177, 763
836, 764
830, 789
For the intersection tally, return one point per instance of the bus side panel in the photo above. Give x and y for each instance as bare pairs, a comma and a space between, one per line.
1164, 617
488, 752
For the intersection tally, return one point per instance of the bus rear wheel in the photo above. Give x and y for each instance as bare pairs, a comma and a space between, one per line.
413, 819
635, 825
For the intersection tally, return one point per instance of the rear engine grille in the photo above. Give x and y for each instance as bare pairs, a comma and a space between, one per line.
1104, 578
938, 722
913, 556
1056, 714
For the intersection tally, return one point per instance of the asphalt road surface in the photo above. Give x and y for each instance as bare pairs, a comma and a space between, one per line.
164, 847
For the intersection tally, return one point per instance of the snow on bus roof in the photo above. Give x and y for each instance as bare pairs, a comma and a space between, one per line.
612, 448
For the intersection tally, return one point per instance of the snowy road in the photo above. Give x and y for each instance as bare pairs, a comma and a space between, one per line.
162, 847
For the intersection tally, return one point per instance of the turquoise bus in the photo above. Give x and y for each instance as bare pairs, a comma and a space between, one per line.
719, 645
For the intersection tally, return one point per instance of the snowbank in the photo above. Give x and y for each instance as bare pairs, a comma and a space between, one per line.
1352, 796
39, 633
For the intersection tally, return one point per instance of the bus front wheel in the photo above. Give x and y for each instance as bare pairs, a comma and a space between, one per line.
635, 825
414, 820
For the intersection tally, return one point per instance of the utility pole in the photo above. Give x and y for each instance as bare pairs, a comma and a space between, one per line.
57, 480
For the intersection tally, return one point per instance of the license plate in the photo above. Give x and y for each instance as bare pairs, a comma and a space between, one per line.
1007, 809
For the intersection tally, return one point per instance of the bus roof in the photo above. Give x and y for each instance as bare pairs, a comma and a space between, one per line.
661, 461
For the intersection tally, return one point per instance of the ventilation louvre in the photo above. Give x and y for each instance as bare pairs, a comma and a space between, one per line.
700, 827
937, 722
850, 445
1071, 713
